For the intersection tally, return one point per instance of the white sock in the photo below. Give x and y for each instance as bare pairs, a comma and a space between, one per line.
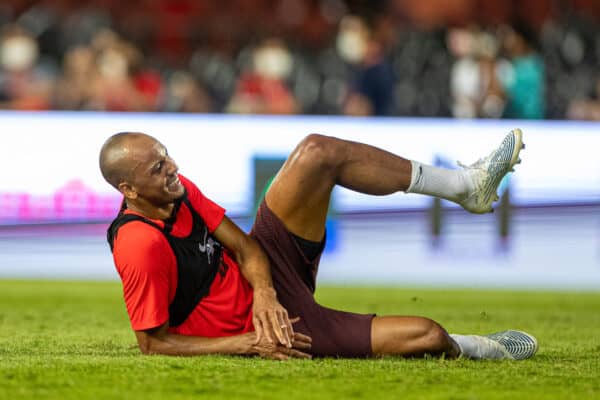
449, 184
479, 347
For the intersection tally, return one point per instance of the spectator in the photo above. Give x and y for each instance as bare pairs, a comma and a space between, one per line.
371, 93
73, 89
399, 67
586, 109
184, 94
263, 90
24, 83
475, 90
465, 76
115, 87
523, 82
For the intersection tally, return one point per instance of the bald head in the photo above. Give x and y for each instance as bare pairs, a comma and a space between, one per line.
117, 156
139, 167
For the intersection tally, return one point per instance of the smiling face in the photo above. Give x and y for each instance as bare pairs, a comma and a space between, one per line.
139, 166
151, 177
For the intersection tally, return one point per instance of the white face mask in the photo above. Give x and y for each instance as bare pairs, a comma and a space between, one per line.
273, 62
351, 45
18, 53
113, 65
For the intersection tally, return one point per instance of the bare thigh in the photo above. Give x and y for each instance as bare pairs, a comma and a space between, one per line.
301, 191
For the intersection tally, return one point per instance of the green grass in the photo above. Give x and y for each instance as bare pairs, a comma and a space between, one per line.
71, 340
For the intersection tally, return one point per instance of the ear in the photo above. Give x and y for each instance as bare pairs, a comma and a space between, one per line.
128, 191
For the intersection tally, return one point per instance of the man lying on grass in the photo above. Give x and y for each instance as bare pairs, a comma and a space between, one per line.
194, 283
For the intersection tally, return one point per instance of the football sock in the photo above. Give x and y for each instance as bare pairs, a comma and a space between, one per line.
479, 347
449, 184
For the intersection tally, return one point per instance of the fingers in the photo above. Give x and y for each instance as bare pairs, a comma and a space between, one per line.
298, 354
301, 342
263, 329
262, 320
301, 345
284, 353
290, 328
278, 329
258, 329
286, 327
302, 337
278, 356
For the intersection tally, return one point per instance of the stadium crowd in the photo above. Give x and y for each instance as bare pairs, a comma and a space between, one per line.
462, 58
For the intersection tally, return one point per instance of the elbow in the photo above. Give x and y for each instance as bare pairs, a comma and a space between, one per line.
150, 346
146, 348
152, 341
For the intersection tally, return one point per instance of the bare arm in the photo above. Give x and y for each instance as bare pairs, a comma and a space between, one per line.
160, 341
253, 262
269, 317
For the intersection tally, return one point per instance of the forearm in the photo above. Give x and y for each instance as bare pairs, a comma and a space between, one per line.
181, 345
250, 257
255, 267
160, 342
269, 317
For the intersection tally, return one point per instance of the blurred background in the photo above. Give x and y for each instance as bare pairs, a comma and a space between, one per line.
435, 58
432, 80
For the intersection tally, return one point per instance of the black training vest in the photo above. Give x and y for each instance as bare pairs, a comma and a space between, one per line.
199, 258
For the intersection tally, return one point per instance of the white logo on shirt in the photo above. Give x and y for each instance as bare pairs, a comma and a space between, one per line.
208, 246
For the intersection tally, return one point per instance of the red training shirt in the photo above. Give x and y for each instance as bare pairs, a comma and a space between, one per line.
148, 269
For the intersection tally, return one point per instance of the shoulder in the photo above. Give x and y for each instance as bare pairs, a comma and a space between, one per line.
139, 233
194, 194
190, 187
140, 245
211, 212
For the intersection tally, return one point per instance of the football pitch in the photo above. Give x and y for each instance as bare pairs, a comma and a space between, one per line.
72, 340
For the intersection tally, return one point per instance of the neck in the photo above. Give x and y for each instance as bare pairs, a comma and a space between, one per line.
151, 211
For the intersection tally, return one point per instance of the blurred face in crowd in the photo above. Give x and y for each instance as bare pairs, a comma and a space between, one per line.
460, 42
79, 61
352, 39
113, 64
18, 52
272, 60
513, 43
472, 42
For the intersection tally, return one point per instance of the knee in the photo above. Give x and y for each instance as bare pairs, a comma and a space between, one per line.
319, 150
433, 336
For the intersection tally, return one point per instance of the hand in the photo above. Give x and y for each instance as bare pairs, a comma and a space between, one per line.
275, 351
270, 319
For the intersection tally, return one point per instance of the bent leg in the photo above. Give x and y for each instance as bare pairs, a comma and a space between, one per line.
411, 337
300, 193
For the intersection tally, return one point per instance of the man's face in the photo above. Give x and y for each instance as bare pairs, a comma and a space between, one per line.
152, 174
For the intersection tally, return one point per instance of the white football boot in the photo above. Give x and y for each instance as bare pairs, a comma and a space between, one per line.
519, 345
488, 173
506, 345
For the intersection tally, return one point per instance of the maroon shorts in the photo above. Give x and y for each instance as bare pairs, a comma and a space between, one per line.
334, 333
